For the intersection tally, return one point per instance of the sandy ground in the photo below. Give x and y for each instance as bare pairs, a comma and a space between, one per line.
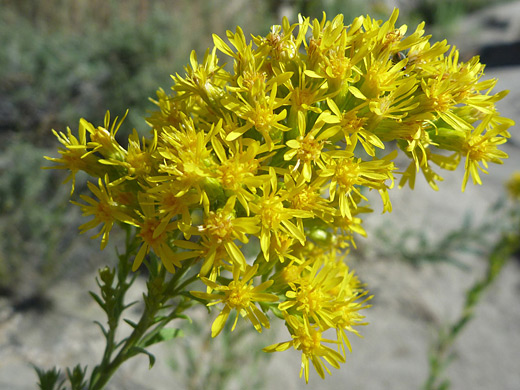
410, 304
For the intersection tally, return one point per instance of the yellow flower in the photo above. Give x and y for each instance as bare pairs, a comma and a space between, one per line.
348, 173
263, 115
275, 217
395, 105
187, 157
347, 316
173, 203
309, 295
307, 93
238, 172
245, 65
105, 211
239, 295
344, 227
104, 141
331, 53
204, 80
308, 197
390, 39
75, 156
280, 44
282, 246
351, 298
171, 112
446, 162
481, 147
222, 228
281, 147
308, 145
309, 340
352, 126
154, 236
424, 58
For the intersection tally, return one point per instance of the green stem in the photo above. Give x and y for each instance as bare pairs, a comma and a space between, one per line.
149, 325
108, 368
503, 250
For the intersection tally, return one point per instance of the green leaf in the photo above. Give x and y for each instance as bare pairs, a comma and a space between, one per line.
50, 379
164, 334
77, 377
101, 327
135, 350
131, 323
98, 300
129, 305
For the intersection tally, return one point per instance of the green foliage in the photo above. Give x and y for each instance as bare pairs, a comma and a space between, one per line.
349, 8
416, 247
49, 78
91, 56
50, 379
61, 60
163, 303
76, 377
37, 228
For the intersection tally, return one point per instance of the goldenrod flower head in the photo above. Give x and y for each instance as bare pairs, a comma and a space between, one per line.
282, 147
74, 155
481, 147
309, 340
153, 232
239, 295
222, 228
105, 211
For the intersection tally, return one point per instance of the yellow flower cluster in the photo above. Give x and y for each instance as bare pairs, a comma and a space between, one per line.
282, 145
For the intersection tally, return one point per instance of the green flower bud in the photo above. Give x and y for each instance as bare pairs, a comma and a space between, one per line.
449, 139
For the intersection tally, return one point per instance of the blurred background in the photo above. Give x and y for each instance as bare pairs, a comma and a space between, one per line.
61, 60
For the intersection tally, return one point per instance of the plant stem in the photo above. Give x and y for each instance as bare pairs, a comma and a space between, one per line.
108, 368
159, 292
503, 250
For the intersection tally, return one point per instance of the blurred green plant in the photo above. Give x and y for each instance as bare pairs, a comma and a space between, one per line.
416, 247
60, 58
36, 226
63, 57
441, 354
349, 8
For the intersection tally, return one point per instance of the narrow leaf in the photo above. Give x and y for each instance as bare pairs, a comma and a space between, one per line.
135, 350
164, 334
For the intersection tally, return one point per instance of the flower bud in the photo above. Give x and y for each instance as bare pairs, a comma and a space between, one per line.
449, 139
